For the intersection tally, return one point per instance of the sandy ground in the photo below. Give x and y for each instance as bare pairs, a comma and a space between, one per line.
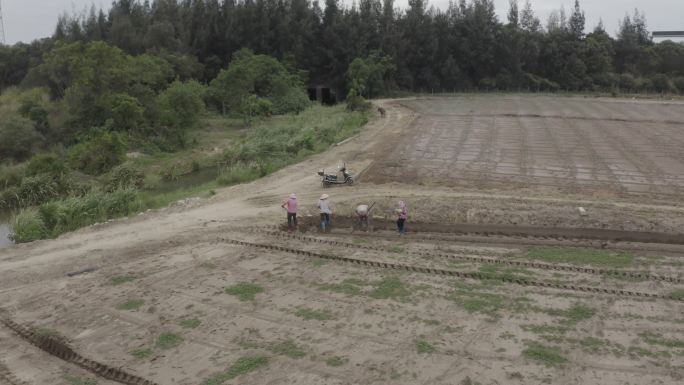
325, 322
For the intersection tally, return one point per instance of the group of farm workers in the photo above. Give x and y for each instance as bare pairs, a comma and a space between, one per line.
325, 208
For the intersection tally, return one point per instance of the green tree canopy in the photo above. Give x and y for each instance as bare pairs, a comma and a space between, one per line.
371, 76
260, 76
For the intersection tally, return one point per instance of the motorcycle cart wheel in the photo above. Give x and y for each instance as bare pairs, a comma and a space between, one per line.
350, 181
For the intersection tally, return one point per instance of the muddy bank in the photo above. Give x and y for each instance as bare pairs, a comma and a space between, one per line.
512, 214
310, 223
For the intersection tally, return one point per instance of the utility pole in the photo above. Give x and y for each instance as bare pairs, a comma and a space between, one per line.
2, 26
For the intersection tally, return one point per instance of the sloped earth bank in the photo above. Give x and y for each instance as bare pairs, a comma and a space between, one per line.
200, 297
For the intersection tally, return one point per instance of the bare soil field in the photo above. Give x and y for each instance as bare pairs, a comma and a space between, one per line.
500, 280
592, 147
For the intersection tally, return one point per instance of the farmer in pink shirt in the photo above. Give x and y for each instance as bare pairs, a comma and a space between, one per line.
291, 206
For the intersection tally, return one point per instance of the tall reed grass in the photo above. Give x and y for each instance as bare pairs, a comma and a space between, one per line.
52, 219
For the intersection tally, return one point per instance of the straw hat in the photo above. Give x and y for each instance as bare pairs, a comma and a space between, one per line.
324, 197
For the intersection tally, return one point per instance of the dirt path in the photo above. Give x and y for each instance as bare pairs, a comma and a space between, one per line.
324, 322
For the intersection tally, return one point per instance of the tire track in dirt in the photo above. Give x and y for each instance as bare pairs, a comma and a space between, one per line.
453, 273
488, 260
61, 350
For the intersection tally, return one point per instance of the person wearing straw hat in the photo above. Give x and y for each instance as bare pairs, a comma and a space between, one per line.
324, 206
363, 212
402, 213
291, 206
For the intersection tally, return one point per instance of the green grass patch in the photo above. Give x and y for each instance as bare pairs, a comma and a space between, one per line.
396, 249
319, 262
241, 172
141, 353
190, 323
49, 333
80, 381
473, 299
548, 355
657, 339
545, 329
592, 344
350, 286
155, 200
602, 258
28, 226
390, 288
283, 140
208, 265
168, 340
424, 347
121, 279
131, 304
469, 381
309, 314
466, 287
242, 366
480, 302
245, 291
288, 348
637, 351
575, 314
677, 294
336, 361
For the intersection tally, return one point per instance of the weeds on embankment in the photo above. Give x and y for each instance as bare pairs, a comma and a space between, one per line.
264, 148
52, 219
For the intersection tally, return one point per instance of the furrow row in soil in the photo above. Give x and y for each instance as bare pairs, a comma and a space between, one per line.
488, 260
453, 273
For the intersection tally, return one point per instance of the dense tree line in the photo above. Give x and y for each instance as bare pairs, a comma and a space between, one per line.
462, 47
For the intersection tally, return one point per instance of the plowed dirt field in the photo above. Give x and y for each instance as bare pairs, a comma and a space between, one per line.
572, 145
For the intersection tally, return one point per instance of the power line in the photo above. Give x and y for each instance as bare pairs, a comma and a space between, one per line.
2, 26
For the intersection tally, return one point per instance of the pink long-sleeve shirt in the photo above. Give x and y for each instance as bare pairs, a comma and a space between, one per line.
291, 205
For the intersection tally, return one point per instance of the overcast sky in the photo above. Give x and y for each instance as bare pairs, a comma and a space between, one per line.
26, 20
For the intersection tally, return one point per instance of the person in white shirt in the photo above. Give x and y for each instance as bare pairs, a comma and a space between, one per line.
325, 207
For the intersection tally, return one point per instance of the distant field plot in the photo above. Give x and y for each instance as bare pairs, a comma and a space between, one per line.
577, 145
